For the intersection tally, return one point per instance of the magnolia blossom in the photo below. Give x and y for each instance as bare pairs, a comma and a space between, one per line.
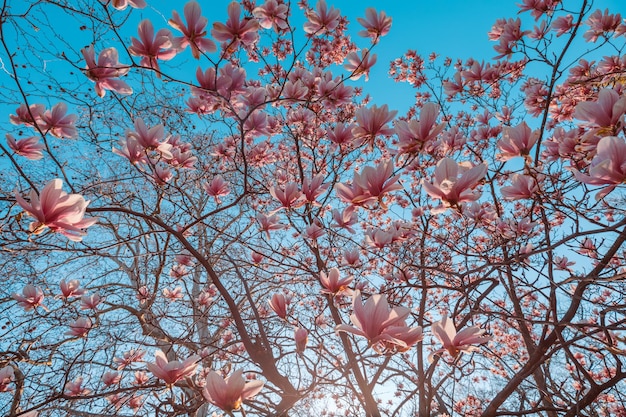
55, 209
151, 47
229, 393
371, 185
194, 32
106, 71
333, 284
217, 188
279, 303
359, 66
271, 14
58, 123
31, 298
75, 388
375, 24
608, 166
80, 327
450, 187
236, 30
174, 371
322, 19
414, 134
301, 337
456, 343
123, 4
523, 186
383, 327
372, 122
607, 111
7, 375
516, 141
29, 148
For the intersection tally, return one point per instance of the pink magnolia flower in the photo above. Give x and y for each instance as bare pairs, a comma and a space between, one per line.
236, 30
372, 184
301, 337
31, 298
522, 187
71, 288
229, 393
131, 150
269, 223
602, 24
516, 141
606, 111
563, 24
313, 188
608, 166
61, 212
456, 343
106, 71
90, 302
322, 19
194, 32
375, 24
151, 47
75, 388
174, 371
333, 284
290, 197
345, 219
150, 138
372, 122
359, 66
414, 134
271, 14
80, 327
217, 188
111, 378
7, 375
29, 148
29, 116
133, 355
451, 188
58, 123
381, 326
279, 303
123, 4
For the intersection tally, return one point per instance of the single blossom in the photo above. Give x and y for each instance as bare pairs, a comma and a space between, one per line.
372, 122
516, 141
608, 166
172, 371
301, 337
414, 134
123, 4
345, 219
359, 66
58, 123
289, 197
194, 32
236, 30
7, 375
71, 288
279, 303
61, 212
106, 71
522, 187
228, 394
111, 378
80, 327
333, 284
375, 24
75, 388
31, 298
456, 343
268, 223
217, 188
371, 185
322, 19
29, 116
450, 187
151, 47
90, 302
606, 112
271, 14
29, 148
383, 327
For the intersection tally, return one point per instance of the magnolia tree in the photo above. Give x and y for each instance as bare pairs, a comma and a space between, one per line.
210, 218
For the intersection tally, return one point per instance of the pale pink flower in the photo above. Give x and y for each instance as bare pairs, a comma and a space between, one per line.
174, 371
375, 24
333, 284
563, 24
608, 166
135, 402
71, 288
322, 19
140, 378
123, 4
61, 212
7, 375
29, 116
516, 141
414, 134
607, 111
279, 303
75, 388
372, 122
271, 14
173, 295
111, 378
289, 197
372, 184
341, 133
345, 219
29, 148
106, 71
217, 188
236, 30
450, 187
31, 298
351, 257
133, 355
315, 230
522, 186
80, 327
268, 223
90, 302
151, 47
228, 394
359, 66
456, 343
301, 337
382, 326
194, 32
150, 138
562, 263
131, 150
602, 24
58, 123
313, 188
